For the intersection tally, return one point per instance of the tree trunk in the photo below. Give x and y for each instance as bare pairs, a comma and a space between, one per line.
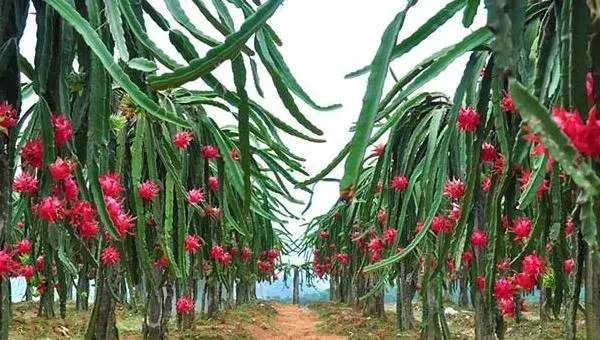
252, 291
63, 292
69, 292
296, 292
245, 291
187, 320
102, 324
212, 292
344, 288
405, 285
574, 289
242, 292
463, 299
484, 324
334, 291
138, 292
83, 291
432, 330
204, 297
158, 307
434, 321
47, 299
352, 291
28, 293
12, 18
168, 301
230, 296
545, 311
446, 293
592, 296
372, 306
124, 292
500, 326
5, 308
220, 297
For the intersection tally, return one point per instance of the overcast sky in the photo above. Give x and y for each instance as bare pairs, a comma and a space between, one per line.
324, 40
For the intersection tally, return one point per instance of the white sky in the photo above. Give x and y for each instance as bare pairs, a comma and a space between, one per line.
324, 40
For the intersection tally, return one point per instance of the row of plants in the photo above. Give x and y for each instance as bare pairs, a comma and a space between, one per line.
118, 176
492, 193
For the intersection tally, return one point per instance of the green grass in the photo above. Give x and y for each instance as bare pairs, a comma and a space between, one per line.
344, 320
229, 324
347, 321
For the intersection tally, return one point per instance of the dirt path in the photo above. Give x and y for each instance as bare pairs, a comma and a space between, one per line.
292, 323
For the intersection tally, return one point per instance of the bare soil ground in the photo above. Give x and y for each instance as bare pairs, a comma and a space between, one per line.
292, 323
228, 325
263, 320
271, 320
345, 320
